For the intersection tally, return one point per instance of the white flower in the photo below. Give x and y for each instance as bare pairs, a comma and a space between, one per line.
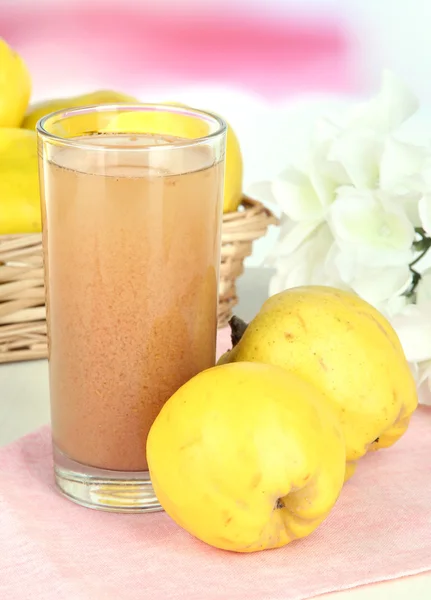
303, 258
424, 209
392, 106
401, 165
325, 171
370, 226
423, 291
413, 326
377, 285
291, 236
358, 152
297, 197
404, 171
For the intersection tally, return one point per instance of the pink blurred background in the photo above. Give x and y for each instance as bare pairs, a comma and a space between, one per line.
145, 48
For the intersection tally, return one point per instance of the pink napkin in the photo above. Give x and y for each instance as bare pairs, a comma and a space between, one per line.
380, 529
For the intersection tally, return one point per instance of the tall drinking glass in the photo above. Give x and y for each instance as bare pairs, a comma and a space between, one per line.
131, 207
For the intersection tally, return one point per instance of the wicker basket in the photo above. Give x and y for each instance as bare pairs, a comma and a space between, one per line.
22, 308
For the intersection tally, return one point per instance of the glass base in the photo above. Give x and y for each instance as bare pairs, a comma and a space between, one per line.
100, 489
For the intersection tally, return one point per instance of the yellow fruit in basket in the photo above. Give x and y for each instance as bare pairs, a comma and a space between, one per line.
42, 109
233, 173
345, 348
19, 182
15, 87
182, 125
246, 457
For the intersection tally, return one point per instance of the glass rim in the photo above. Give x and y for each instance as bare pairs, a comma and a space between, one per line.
123, 107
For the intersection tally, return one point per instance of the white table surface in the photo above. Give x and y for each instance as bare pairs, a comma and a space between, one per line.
24, 406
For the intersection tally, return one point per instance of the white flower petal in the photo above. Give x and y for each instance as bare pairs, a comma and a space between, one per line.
423, 290
292, 235
296, 196
424, 208
377, 286
343, 263
423, 371
359, 152
393, 105
376, 232
394, 306
379, 257
426, 174
422, 374
413, 327
423, 264
399, 162
261, 190
326, 173
325, 131
410, 205
306, 265
322, 181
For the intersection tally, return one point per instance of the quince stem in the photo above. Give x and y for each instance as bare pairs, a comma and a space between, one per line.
237, 328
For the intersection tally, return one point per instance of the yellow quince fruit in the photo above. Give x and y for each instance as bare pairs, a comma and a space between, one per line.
247, 457
19, 182
15, 86
345, 348
233, 179
42, 109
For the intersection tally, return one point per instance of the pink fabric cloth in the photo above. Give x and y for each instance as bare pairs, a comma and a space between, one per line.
380, 529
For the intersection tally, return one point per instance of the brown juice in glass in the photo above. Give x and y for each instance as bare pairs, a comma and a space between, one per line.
132, 259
